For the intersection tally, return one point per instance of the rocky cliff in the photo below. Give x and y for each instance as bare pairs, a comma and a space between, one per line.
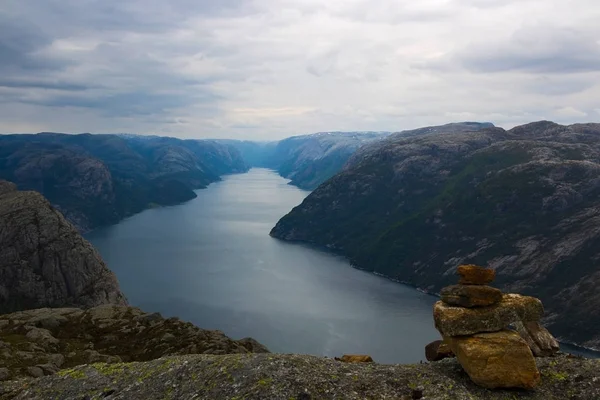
44, 262
97, 180
523, 201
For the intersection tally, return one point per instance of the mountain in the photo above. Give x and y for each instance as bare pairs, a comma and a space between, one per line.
306, 160
96, 180
255, 154
309, 160
523, 201
44, 262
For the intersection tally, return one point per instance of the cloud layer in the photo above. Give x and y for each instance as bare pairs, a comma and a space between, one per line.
267, 69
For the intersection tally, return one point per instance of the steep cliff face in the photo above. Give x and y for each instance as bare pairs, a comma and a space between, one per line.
524, 202
98, 179
44, 262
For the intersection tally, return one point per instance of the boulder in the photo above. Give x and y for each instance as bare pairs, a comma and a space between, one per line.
35, 372
540, 340
475, 275
471, 295
497, 360
438, 350
459, 321
40, 335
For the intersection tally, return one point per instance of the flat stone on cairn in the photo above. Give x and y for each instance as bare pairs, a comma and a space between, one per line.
457, 321
474, 275
471, 295
475, 320
497, 360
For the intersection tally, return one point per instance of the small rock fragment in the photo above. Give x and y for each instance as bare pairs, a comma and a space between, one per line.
56, 359
41, 335
438, 350
4, 374
36, 372
351, 358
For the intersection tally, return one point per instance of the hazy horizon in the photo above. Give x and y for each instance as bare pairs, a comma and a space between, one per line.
250, 138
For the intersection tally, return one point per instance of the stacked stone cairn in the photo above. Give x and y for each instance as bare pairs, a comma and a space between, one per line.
494, 336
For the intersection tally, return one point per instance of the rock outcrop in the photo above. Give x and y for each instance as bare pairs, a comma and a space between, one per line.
523, 201
285, 377
479, 335
44, 262
42, 341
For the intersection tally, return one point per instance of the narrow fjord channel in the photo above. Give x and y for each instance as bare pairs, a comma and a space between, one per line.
211, 261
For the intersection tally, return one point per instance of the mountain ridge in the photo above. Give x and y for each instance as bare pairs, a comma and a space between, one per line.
97, 180
521, 201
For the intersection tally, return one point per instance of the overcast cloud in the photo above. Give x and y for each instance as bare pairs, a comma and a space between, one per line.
267, 69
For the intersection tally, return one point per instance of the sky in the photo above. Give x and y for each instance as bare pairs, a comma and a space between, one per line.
268, 69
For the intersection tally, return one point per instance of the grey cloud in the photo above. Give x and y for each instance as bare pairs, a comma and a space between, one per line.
39, 84
126, 104
19, 43
536, 50
65, 17
558, 85
196, 65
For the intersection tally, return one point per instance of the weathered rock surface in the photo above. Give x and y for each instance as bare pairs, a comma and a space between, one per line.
459, 321
524, 202
497, 360
285, 377
39, 342
475, 275
470, 295
540, 341
44, 262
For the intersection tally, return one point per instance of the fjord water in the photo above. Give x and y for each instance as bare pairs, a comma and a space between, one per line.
211, 261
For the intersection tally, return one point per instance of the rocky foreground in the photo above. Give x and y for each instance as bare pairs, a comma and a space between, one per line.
286, 377
40, 342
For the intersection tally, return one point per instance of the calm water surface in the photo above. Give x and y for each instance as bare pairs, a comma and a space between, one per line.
211, 261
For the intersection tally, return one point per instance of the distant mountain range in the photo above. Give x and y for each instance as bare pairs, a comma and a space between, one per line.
96, 180
306, 160
524, 201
